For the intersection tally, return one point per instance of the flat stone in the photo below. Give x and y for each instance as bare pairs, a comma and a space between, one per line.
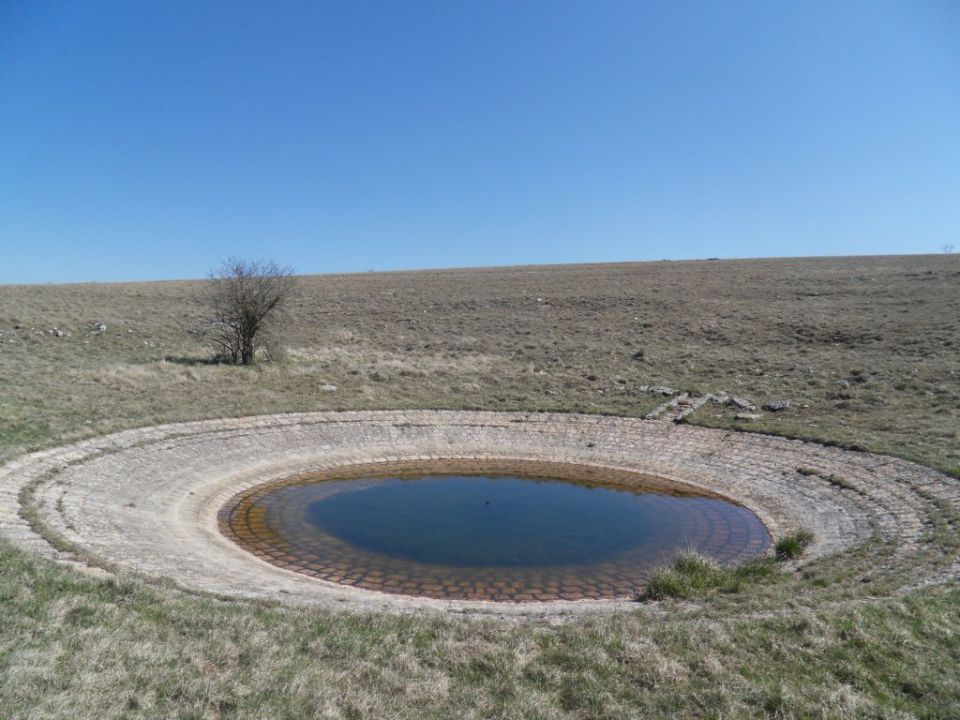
179, 477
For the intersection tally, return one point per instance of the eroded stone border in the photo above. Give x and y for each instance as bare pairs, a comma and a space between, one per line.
146, 500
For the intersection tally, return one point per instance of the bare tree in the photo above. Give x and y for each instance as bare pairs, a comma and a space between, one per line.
247, 298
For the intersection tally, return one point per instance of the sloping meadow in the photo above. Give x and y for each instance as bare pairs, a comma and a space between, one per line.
867, 351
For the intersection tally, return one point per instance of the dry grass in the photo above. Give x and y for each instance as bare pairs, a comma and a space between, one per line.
868, 350
72, 647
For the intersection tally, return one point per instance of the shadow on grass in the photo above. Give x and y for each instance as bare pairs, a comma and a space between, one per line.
194, 361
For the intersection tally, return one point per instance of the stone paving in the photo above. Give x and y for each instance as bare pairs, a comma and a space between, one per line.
147, 500
270, 520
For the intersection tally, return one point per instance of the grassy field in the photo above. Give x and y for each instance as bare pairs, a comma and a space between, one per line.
866, 349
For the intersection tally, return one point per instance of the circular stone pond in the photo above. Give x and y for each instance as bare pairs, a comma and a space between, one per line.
166, 503
509, 532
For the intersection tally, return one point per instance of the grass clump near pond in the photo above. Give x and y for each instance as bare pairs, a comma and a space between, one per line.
693, 575
793, 546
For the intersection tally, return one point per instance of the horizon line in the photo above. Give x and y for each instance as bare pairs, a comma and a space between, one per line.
460, 268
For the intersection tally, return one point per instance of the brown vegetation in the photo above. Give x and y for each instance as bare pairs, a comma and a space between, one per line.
247, 299
867, 350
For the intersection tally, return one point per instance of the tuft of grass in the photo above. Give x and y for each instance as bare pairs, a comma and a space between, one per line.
793, 546
839, 481
833, 479
693, 575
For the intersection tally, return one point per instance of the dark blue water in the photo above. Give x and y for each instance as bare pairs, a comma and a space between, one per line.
489, 534
475, 521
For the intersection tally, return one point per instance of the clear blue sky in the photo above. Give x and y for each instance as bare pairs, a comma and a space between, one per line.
149, 139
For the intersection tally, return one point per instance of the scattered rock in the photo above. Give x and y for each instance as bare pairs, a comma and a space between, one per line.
741, 404
747, 417
328, 388
668, 405
777, 405
689, 405
661, 390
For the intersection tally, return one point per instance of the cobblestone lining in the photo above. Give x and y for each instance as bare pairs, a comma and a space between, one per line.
147, 500
244, 519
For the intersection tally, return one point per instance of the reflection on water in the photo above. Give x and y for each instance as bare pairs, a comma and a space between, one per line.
487, 536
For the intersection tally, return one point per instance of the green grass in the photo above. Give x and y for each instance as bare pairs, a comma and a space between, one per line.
694, 576
20, 430
76, 647
793, 546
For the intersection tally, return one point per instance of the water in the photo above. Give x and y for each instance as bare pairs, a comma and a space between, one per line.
487, 536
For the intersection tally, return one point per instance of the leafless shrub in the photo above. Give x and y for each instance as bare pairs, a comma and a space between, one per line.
247, 299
